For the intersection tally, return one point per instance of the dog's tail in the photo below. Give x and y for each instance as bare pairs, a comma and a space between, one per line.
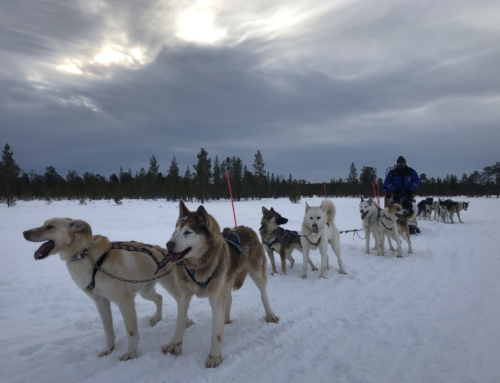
330, 209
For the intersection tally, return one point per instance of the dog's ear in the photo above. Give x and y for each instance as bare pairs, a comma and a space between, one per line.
322, 206
272, 210
265, 211
79, 225
362, 199
307, 206
370, 200
183, 210
202, 216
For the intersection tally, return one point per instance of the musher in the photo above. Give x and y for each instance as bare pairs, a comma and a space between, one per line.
401, 183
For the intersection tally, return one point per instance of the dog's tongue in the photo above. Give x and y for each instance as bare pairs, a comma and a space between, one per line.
43, 250
315, 229
364, 215
174, 257
401, 217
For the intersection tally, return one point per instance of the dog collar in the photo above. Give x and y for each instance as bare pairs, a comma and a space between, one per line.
81, 254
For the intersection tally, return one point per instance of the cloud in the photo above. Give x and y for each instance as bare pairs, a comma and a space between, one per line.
314, 86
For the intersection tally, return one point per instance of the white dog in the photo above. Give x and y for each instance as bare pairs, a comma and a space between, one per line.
81, 250
370, 214
319, 230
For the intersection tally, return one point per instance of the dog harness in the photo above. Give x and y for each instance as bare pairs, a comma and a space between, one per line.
237, 245
388, 228
119, 246
370, 224
282, 233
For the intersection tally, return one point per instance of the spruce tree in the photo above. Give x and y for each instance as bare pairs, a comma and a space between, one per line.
259, 173
203, 173
173, 179
9, 173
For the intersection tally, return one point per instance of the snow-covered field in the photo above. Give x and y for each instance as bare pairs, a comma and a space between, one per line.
432, 316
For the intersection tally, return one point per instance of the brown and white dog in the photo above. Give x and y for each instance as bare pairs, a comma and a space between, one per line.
392, 223
75, 244
210, 267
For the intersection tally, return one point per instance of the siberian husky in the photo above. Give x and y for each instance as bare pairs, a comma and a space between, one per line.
456, 207
393, 223
319, 230
210, 265
76, 245
274, 238
370, 215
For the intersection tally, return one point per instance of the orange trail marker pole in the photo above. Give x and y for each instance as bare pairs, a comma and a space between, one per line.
231, 194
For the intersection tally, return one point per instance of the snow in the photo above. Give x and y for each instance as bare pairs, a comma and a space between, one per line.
432, 316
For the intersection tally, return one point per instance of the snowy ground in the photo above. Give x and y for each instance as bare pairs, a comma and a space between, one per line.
432, 316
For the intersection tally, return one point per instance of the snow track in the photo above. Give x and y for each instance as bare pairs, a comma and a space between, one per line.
431, 316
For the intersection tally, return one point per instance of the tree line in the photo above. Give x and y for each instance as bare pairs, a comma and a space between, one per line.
207, 181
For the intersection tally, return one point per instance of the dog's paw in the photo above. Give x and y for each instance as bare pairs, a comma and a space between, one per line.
400, 256
272, 319
314, 269
189, 323
305, 276
174, 349
128, 355
105, 352
213, 361
228, 321
367, 251
273, 273
292, 263
154, 320
342, 271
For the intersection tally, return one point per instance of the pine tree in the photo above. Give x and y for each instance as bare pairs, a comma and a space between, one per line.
218, 179
352, 178
295, 192
188, 184
203, 173
152, 175
173, 179
259, 173
9, 173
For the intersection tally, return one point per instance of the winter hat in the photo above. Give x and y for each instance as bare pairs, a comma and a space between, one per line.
401, 159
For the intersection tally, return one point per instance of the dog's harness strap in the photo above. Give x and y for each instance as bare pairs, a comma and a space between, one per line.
314, 244
231, 242
191, 273
142, 249
97, 265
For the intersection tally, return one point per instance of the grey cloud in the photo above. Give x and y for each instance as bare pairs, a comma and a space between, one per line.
364, 83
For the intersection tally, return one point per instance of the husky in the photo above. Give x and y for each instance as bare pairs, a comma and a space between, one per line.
75, 244
456, 207
210, 264
276, 239
370, 215
444, 214
319, 230
428, 211
392, 224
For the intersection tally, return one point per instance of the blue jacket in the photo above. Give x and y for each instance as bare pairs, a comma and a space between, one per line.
402, 179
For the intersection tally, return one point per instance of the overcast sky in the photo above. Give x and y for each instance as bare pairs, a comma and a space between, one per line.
92, 85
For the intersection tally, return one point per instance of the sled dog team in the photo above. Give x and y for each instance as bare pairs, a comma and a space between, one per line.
201, 260
443, 210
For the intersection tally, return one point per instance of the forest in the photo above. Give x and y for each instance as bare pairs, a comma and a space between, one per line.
208, 181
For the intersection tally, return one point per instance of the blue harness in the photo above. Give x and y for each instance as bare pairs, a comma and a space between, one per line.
237, 245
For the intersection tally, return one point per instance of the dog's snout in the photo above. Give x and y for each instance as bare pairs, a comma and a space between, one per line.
27, 234
170, 246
